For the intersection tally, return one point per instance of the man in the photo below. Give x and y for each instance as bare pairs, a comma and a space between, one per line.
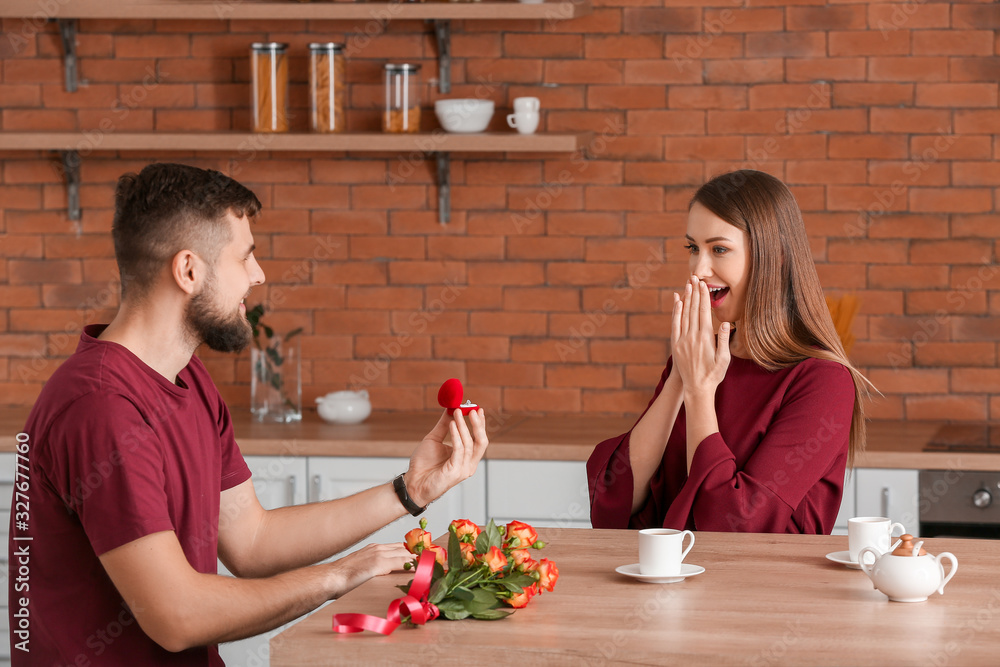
136, 481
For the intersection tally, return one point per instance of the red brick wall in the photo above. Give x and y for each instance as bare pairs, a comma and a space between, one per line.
549, 289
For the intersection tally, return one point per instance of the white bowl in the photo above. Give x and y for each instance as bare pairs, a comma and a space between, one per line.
464, 115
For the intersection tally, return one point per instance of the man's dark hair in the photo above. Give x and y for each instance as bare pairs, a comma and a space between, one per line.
167, 208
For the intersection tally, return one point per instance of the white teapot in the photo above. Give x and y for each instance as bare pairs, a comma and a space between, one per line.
908, 573
344, 407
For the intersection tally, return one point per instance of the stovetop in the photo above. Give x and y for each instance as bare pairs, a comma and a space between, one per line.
966, 438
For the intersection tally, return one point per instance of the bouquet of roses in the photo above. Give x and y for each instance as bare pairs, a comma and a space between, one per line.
483, 570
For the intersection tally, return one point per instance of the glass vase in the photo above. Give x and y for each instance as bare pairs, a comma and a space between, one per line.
276, 381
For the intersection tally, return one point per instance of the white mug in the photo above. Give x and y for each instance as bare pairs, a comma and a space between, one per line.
660, 551
870, 531
532, 104
525, 122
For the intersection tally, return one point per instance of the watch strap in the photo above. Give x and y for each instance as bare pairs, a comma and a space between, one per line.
399, 485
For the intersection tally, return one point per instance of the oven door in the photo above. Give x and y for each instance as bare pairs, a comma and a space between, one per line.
956, 503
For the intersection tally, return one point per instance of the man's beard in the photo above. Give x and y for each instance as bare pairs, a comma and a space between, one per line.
215, 329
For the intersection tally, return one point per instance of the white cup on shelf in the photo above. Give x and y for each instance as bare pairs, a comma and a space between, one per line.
526, 115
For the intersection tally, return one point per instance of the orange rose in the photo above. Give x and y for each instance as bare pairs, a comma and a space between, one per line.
415, 537
441, 556
465, 527
522, 598
495, 559
525, 534
548, 574
468, 553
522, 560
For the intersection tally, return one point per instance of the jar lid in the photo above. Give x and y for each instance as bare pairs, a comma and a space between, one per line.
401, 67
326, 46
269, 46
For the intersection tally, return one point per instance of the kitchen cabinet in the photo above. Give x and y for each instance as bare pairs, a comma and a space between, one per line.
7, 467
550, 494
337, 477
847, 504
890, 493
279, 481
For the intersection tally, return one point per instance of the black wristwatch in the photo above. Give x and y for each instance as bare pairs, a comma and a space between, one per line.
400, 486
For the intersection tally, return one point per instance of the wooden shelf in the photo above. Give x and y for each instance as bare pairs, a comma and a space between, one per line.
250, 9
433, 142
438, 145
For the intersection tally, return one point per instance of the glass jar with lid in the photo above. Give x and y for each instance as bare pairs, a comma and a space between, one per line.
269, 83
327, 72
402, 103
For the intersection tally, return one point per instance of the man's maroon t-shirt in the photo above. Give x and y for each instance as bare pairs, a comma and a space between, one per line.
116, 452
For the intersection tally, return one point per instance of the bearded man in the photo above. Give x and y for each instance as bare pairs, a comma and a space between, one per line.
133, 460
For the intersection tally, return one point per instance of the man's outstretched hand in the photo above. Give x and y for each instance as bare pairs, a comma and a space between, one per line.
436, 466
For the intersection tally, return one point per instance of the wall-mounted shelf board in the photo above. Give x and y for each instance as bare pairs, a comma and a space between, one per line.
225, 10
436, 145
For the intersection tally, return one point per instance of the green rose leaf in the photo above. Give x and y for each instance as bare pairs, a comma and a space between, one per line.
455, 561
492, 614
463, 594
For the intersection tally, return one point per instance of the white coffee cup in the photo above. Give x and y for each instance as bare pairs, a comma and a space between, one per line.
530, 104
526, 115
660, 551
524, 122
870, 531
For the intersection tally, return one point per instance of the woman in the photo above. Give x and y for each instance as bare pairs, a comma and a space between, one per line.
751, 430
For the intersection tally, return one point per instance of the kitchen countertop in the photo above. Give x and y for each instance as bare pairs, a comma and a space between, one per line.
762, 600
891, 444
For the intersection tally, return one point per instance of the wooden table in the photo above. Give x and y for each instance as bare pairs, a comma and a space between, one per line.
763, 600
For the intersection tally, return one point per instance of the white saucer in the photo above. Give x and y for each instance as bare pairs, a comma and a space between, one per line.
633, 571
843, 558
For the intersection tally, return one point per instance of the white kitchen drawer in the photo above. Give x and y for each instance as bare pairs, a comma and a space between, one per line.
542, 493
890, 493
279, 481
847, 505
337, 477
7, 463
5, 647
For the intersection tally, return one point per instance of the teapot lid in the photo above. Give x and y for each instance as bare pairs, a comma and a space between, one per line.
906, 547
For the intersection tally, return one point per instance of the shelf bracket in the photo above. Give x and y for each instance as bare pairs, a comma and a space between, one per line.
444, 187
71, 169
442, 30
67, 29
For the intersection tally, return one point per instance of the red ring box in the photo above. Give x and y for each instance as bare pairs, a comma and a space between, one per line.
450, 396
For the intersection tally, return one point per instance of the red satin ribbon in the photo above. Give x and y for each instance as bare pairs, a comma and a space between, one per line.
414, 603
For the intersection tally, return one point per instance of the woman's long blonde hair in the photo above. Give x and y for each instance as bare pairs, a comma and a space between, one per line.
786, 319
